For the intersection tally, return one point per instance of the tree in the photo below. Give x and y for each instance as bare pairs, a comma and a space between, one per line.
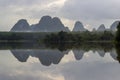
118, 33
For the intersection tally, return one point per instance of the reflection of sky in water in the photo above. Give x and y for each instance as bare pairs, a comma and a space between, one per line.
90, 67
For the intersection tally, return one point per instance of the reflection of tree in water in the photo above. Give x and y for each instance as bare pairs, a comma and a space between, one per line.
117, 46
53, 56
87, 46
60, 46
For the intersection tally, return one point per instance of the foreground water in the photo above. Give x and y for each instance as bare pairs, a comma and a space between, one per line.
96, 63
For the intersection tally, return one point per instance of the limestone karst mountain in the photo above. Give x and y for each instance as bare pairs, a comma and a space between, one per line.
46, 24
49, 24
21, 26
79, 26
114, 26
101, 28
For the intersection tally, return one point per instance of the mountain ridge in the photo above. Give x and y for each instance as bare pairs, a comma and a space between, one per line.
46, 24
49, 24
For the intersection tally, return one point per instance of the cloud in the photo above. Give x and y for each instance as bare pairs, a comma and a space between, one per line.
32, 10
23, 2
24, 7
90, 12
91, 9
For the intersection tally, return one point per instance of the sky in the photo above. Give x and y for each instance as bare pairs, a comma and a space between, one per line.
92, 13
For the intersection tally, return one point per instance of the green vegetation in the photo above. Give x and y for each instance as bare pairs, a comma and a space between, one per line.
58, 37
117, 38
62, 40
78, 37
21, 36
86, 46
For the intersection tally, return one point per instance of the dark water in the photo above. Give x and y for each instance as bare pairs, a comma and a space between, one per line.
63, 62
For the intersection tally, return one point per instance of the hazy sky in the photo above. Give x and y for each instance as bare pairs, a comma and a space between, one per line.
91, 13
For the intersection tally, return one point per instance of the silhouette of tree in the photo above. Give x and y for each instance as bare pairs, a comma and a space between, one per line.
117, 47
118, 33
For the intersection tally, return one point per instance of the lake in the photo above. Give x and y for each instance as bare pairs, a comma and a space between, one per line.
63, 62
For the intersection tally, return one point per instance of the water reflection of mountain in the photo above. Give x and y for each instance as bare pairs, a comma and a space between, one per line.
21, 55
101, 53
78, 54
54, 56
46, 57
53, 53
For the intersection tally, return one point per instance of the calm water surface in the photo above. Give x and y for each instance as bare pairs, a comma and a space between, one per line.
53, 64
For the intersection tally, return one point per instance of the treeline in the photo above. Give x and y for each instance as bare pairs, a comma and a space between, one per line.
86, 46
59, 37
117, 37
22, 36
78, 37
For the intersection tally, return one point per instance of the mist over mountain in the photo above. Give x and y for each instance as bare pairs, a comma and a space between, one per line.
78, 27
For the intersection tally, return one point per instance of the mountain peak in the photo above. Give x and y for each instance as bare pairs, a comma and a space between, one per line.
113, 27
101, 28
22, 21
45, 18
49, 24
78, 26
21, 26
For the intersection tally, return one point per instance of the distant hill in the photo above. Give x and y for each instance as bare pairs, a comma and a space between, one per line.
101, 28
21, 26
93, 30
46, 24
113, 27
49, 24
78, 27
